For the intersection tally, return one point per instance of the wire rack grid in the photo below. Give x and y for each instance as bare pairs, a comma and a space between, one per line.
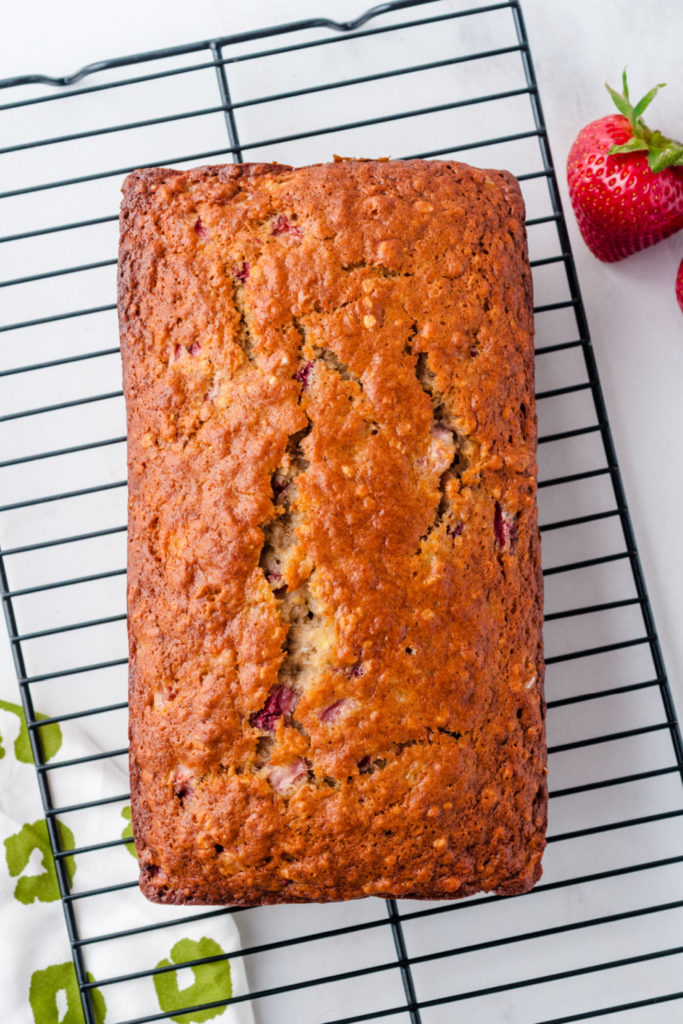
600, 935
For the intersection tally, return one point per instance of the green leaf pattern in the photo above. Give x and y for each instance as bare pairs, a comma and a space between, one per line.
45, 986
18, 849
50, 735
128, 830
53, 987
212, 981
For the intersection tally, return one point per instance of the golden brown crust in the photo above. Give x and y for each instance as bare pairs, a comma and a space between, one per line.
336, 671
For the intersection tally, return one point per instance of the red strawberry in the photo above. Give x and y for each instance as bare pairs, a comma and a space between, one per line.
679, 286
625, 181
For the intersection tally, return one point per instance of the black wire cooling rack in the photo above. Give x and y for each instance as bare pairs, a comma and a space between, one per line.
601, 934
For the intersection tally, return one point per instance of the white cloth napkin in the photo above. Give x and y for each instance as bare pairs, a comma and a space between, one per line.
41, 985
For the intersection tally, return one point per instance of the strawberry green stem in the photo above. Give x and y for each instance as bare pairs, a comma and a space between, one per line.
661, 151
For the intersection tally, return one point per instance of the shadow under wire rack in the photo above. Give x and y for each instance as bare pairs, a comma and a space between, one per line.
601, 934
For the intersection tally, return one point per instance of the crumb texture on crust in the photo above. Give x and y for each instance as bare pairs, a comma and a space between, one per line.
334, 589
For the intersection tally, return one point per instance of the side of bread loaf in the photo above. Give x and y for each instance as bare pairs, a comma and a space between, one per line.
334, 592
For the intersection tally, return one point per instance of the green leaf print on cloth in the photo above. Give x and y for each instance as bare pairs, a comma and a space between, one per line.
45, 987
128, 831
51, 735
18, 849
211, 981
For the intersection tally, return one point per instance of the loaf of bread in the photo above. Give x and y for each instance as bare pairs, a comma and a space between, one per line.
334, 589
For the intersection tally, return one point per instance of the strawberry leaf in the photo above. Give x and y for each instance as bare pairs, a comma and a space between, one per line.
647, 99
667, 156
621, 102
661, 151
633, 145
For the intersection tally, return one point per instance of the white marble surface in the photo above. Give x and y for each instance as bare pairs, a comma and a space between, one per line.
635, 322
637, 331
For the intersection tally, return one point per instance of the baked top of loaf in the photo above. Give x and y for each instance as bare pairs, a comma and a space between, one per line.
334, 589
